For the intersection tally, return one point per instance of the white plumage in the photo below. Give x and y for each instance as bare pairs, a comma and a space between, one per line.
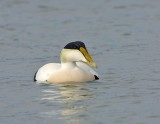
76, 66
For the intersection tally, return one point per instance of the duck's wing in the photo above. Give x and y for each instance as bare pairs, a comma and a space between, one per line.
46, 71
87, 68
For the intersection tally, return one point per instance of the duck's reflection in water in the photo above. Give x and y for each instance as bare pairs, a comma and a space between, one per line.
72, 100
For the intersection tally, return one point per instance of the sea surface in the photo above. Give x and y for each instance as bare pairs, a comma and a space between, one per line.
122, 36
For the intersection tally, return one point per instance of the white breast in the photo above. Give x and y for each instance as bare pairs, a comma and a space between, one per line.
46, 71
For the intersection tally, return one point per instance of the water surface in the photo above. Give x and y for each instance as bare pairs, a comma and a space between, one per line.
123, 38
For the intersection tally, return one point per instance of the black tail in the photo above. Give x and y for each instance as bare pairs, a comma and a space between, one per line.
34, 79
96, 78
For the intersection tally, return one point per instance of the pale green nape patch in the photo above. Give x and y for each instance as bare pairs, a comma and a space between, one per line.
71, 55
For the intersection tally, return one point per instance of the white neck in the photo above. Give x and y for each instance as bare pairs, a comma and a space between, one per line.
68, 64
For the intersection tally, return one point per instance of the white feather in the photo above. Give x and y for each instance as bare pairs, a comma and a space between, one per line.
46, 71
86, 68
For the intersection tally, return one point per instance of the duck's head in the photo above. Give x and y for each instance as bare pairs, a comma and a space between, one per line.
76, 52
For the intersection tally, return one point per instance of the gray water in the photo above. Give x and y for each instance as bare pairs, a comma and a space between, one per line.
123, 37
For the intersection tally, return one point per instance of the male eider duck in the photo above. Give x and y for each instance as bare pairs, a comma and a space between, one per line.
76, 66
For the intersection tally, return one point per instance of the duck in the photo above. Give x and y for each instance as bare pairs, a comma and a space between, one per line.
76, 66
